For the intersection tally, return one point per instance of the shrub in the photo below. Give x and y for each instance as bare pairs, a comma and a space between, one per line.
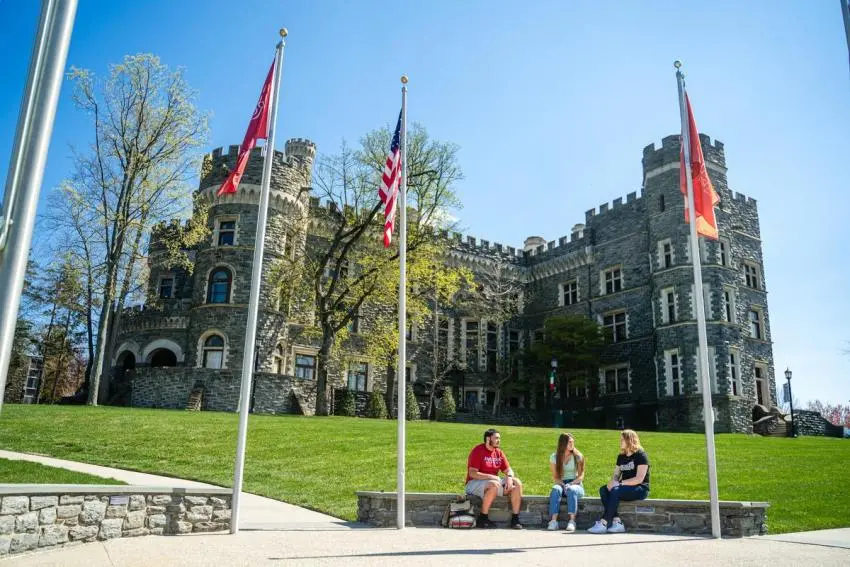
447, 409
348, 407
412, 405
376, 407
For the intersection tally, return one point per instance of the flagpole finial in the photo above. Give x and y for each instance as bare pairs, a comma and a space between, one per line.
677, 64
283, 32
404, 79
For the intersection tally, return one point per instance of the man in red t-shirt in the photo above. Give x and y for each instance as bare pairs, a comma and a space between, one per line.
482, 479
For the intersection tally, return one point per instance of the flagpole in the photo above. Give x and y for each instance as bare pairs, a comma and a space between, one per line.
402, 310
26, 165
254, 298
702, 367
845, 13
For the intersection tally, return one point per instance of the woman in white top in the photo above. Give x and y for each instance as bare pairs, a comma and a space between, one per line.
567, 466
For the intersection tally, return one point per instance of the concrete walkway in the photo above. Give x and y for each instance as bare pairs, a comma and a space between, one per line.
273, 533
257, 512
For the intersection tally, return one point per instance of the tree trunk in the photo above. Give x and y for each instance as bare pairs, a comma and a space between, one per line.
102, 330
388, 395
496, 398
322, 389
44, 345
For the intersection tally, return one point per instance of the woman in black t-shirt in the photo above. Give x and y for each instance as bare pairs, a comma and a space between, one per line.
630, 481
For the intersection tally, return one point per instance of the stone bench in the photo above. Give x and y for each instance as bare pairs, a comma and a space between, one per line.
686, 517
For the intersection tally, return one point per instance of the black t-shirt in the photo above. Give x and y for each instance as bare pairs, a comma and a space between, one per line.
628, 466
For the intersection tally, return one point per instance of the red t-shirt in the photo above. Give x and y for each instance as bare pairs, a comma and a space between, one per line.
487, 461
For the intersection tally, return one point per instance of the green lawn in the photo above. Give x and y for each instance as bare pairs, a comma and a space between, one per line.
25, 472
319, 462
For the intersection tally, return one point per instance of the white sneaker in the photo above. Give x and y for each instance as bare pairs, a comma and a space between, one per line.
617, 527
553, 525
571, 526
598, 528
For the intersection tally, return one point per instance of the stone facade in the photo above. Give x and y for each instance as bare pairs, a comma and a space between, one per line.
812, 423
628, 266
688, 517
48, 516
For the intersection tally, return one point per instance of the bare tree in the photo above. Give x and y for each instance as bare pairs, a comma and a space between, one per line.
136, 172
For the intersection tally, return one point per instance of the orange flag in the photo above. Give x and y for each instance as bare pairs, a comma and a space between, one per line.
258, 129
705, 197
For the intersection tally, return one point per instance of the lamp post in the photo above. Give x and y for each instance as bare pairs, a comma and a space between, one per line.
552, 373
790, 401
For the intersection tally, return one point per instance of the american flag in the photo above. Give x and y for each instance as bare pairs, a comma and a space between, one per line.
389, 184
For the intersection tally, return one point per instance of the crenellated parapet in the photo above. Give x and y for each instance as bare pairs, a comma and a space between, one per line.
668, 153
632, 202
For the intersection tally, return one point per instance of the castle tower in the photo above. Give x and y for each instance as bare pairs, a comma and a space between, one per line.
737, 360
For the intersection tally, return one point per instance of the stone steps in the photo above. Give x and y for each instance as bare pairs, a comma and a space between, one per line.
196, 400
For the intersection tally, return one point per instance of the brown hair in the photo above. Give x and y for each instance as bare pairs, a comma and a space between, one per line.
563, 442
632, 442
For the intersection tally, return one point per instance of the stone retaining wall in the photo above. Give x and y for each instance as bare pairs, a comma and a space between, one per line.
689, 517
48, 516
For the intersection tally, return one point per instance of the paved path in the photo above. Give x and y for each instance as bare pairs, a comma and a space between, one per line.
275, 533
257, 512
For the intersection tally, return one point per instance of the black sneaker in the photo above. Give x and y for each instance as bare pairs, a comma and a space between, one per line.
516, 525
485, 523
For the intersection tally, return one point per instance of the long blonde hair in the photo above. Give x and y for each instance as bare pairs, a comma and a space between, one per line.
632, 442
563, 443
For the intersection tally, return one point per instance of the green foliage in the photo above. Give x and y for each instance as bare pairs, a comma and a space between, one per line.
411, 406
436, 452
448, 408
348, 407
376, 408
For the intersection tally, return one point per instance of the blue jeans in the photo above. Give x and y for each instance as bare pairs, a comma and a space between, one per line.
611, 498
573, 492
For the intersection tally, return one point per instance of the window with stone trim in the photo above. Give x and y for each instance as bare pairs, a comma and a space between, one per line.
225, 232
615, 324
734, 372
756, 319
166, 287
305, 366
358, 374
615, 379
612, 280
289, 245
762, 388
668, 305
492, 345
577, 387
472, 350
213, 356
220, 283
729, 307
723, 252
569, 293
673, 372
752, 275
665, 254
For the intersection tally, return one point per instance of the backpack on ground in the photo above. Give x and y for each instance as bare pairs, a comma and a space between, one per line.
459, 514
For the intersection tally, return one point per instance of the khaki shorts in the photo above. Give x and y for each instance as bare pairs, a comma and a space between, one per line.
477, 487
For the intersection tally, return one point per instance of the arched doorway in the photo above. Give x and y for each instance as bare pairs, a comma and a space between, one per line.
162, 357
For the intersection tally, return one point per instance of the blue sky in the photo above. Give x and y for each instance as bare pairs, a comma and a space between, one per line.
551, 105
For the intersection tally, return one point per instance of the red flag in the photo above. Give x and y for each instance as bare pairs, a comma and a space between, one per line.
258, 129
705, 197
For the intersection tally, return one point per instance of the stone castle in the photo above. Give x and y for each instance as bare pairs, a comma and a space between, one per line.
627, 266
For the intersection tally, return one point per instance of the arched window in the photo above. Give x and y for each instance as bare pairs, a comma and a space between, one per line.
213, 352
220, 282
278, 359
163, 357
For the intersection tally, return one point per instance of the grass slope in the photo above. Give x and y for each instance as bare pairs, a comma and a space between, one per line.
25, 472
319, 462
